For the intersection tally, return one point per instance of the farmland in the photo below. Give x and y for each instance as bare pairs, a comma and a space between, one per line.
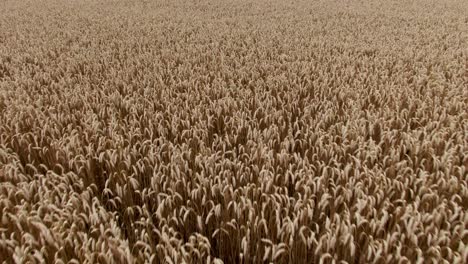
234, 131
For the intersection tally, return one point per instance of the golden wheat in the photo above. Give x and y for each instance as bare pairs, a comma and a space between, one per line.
234, 131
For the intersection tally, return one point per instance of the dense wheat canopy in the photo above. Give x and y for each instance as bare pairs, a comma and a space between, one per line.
234, 131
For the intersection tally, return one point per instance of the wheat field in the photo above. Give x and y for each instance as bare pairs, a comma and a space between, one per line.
234, 131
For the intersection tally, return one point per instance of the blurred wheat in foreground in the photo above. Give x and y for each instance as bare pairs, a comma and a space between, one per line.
234, 131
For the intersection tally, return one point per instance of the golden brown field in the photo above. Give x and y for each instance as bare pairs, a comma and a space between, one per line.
234, 131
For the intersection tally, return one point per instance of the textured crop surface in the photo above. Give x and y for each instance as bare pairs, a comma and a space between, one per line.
234, 131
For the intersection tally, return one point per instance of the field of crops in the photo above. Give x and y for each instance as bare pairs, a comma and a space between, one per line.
234, 131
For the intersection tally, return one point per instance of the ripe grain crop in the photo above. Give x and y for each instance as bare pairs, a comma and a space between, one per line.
234, 131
